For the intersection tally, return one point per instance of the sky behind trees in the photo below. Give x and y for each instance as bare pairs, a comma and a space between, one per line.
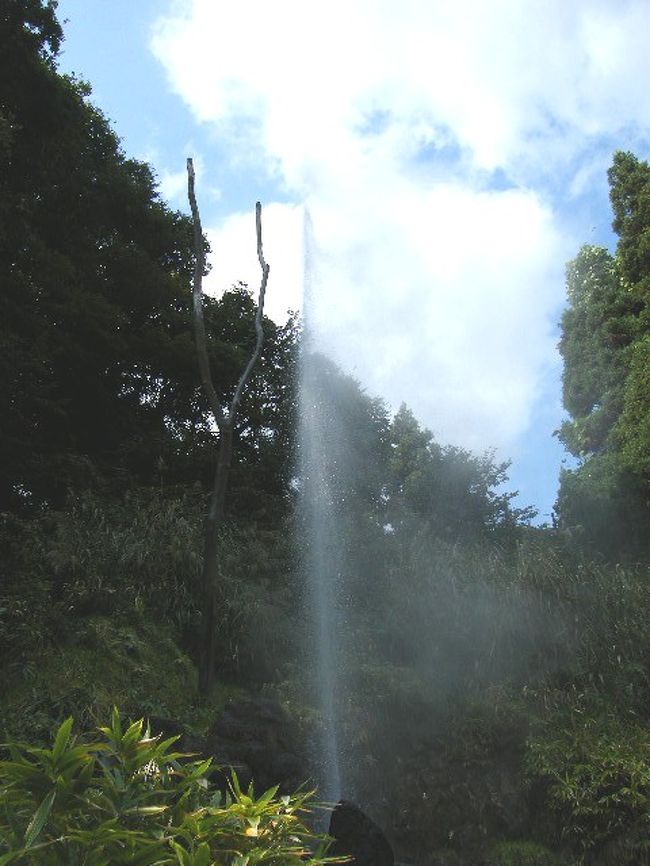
452, 158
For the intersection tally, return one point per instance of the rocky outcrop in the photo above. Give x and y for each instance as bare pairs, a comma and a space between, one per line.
253, 736
357, 836
258, 735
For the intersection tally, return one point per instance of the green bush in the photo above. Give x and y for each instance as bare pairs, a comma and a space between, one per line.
127, 798
138, 559
137, 666
596, 774
520, 854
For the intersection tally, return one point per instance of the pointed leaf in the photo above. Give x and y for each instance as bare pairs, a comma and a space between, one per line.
39, 820
134, 732
234, 784
62, 737
146, 810
181, 853
202, 857
116, 727
165, 744
73, 759
14, 770
267, 796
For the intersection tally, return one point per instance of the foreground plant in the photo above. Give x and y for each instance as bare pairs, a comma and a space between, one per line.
126, 798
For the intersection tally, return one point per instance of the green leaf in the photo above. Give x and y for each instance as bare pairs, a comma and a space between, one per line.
62, 737
234, 784
38, 821
87, 773
14, 770
146, 810
152, 855
116, 727
133, 732
75, 758
203, 857
199, 769
12, 856
267, 796
182, 855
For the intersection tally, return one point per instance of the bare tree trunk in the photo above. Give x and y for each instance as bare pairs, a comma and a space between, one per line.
225, 420
211, 572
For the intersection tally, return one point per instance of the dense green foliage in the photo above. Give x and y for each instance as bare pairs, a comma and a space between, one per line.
598, 775
127, 798
606, 349
496, 674
98, 362
502, 657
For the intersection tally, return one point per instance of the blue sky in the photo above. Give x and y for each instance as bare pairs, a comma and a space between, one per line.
453, 157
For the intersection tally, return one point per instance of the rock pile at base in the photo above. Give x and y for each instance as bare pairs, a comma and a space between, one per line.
356, 835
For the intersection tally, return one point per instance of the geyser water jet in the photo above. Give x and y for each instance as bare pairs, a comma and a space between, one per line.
322, 564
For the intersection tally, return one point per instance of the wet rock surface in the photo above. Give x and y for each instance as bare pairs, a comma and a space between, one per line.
254, 736
356, 835
258, 734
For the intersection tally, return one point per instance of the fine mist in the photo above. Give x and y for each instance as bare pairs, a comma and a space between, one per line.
320, 461
421, 598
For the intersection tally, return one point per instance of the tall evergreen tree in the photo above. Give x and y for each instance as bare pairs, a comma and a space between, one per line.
606, 349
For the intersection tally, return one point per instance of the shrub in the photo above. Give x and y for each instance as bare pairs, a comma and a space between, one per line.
520, 854
139, 559
127, 798
596, 773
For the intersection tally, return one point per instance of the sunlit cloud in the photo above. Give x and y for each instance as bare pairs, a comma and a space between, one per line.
427, 139
234, 257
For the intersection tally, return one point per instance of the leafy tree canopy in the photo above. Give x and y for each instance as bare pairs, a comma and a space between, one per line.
97, 359
606, 349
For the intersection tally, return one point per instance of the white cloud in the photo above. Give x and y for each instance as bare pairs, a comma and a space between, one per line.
450, 309
389, 120
504, 76
234, 256
172, 185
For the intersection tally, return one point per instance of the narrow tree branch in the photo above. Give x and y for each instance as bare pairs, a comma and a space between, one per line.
225, 418
258, 315
197, 296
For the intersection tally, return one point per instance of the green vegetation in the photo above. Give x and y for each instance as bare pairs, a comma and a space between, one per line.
128, 798
520, 854
605, 346
499, 693
597, 772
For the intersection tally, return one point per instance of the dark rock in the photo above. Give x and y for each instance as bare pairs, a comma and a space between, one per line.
164, 727
287, 765
194, 745
263, 709
356, 835
229, 727
253, 736
258, 733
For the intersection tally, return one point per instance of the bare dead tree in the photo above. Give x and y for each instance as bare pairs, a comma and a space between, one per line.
225, 417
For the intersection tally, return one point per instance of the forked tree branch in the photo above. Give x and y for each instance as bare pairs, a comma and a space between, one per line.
258, 315
197, 298
199, 321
